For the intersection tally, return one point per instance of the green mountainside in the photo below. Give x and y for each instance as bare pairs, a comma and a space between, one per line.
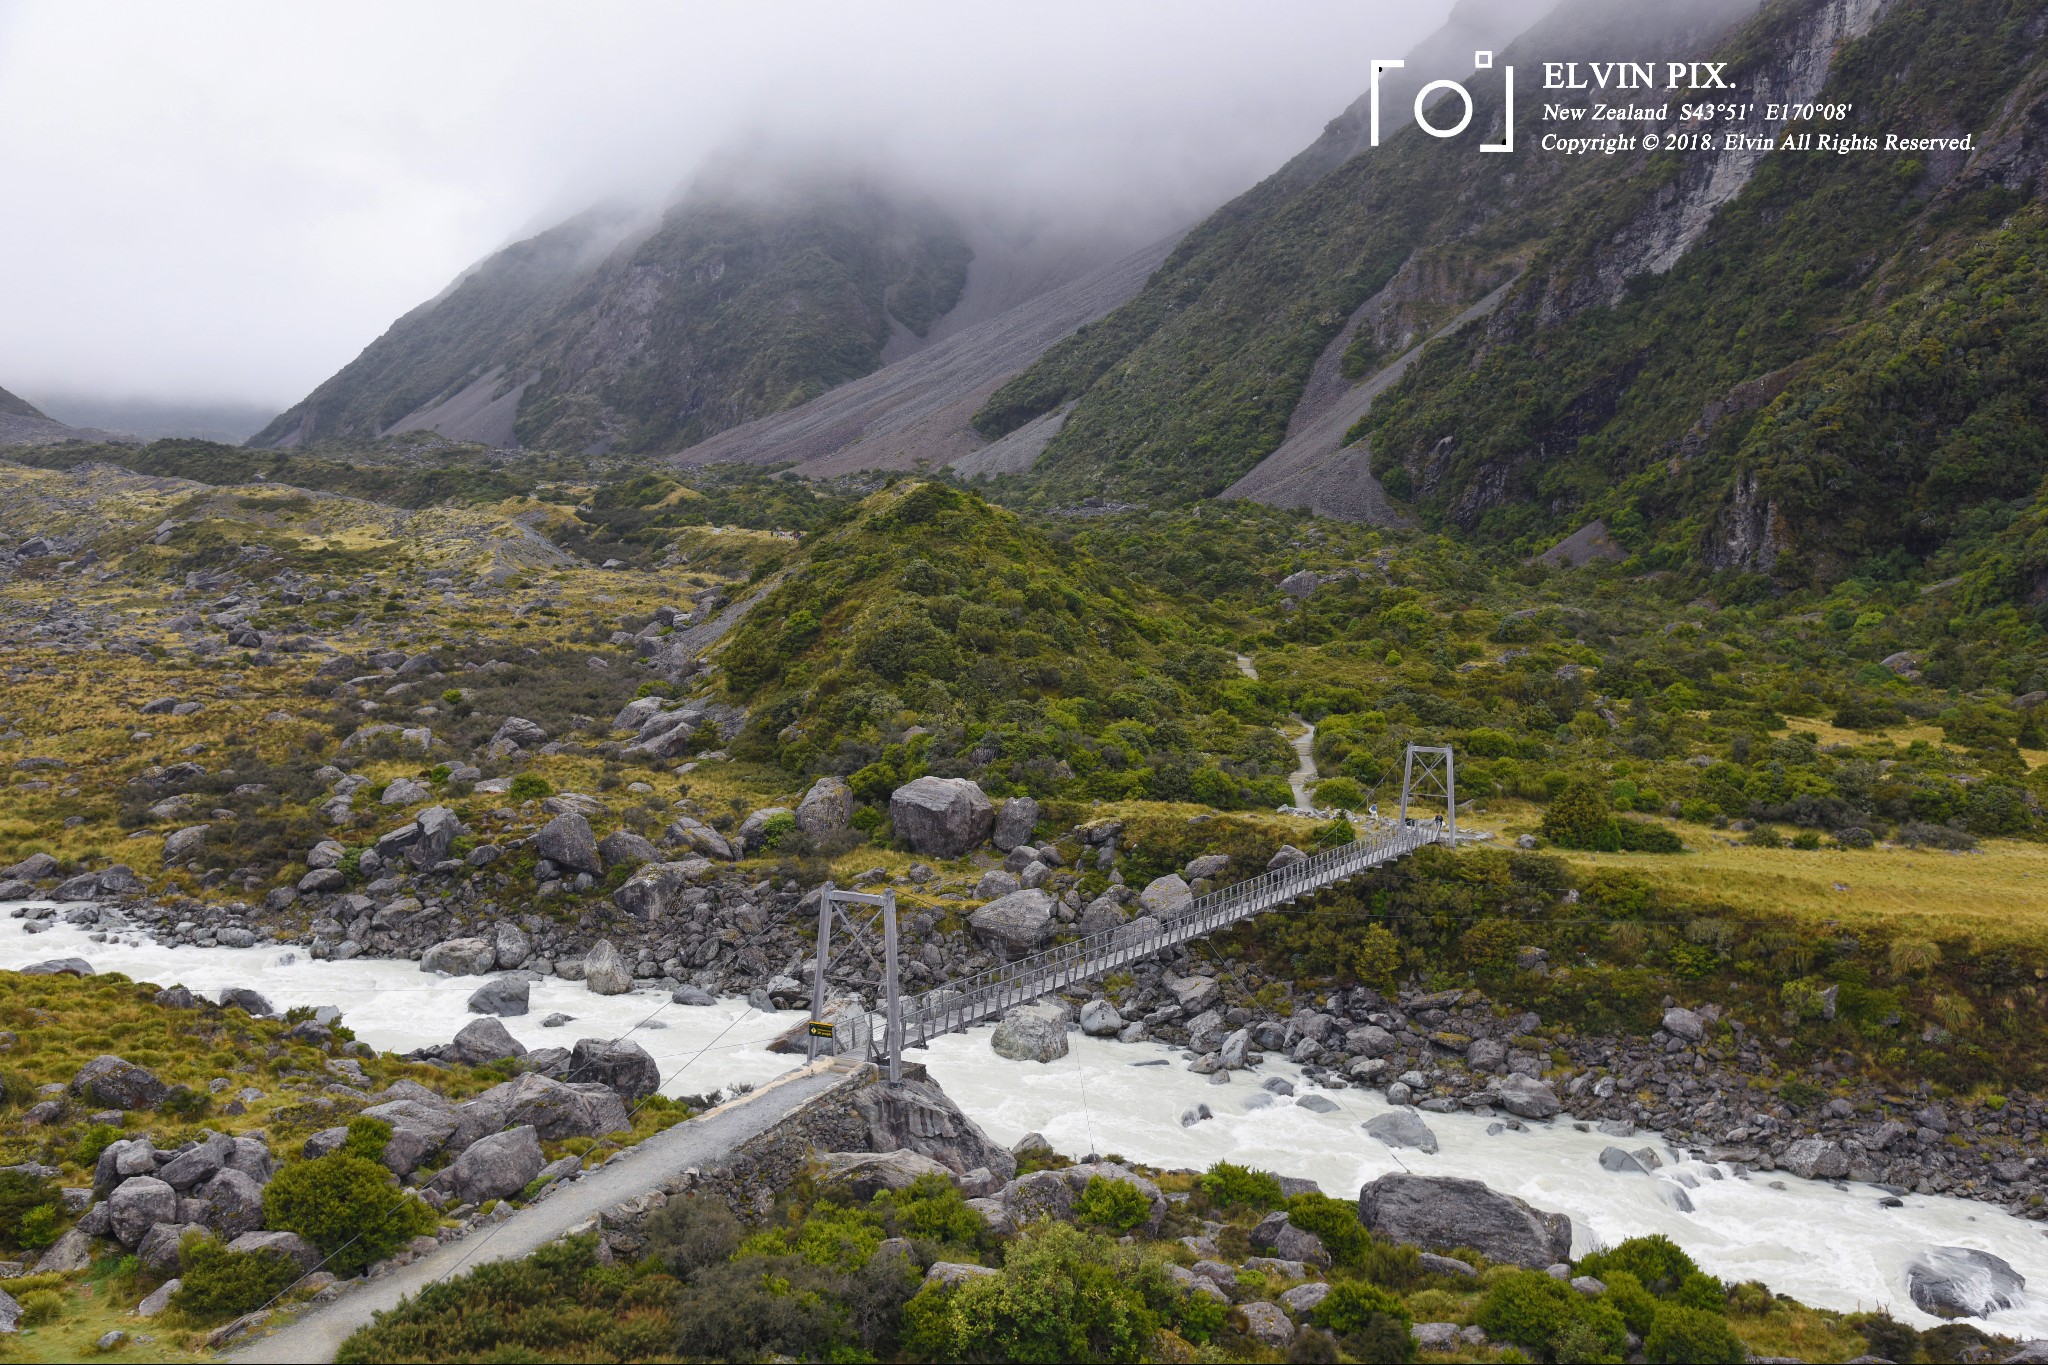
598, 336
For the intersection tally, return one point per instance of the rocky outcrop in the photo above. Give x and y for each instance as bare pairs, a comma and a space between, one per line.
1016, 924
942, 817
1443, 1214
918, 1116
118, 1084
498, 1166
1956, 1282
624, 1066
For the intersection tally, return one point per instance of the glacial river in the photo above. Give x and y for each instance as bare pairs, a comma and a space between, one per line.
1832, 1246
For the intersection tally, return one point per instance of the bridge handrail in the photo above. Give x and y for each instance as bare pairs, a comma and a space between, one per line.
956, 1004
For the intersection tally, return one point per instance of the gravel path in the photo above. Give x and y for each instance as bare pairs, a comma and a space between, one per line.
1304, 778
317, 1334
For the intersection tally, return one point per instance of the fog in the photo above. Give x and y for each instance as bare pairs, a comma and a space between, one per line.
224, 202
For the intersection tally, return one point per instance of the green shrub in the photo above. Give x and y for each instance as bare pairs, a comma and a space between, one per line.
931, 1209
1702, 1291
1371, 1323
1336, 1222
96, 1139
347, 1206
217, 1282
776, 828
21, 1194
1341, 793
1228, 1185
366, 1138
1680, 1335
1644, 836
530, 787
40, 1306
1637, 1305
1656, 1261
1117, 1205
1531, 1309
1063, 1294
1579, 817
40, 1226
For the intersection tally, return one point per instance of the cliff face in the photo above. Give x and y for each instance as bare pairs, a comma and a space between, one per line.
606, 333
1675, 323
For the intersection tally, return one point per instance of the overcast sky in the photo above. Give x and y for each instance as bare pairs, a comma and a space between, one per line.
227, 201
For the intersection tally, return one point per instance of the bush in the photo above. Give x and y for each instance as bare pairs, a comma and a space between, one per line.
39, 1226
1336, 1222
1062, 1295
530, 787
1637, 1305
1228, 1185
1644, 836
1340, 793
1579, 817
1681, 1335
21, 1194
347, 1206
40, 1306
1372, 1324
1117, 1205
366, 1138
97, 1139
1656, 1261
931, 1209
1531, 1309
776, 828
222, 1283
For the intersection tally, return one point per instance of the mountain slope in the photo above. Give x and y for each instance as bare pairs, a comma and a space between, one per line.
600, 335
22, 423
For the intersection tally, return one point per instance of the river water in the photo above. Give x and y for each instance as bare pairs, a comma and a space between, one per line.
1827, 1245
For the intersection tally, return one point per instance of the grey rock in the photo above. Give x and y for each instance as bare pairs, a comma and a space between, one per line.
234, 1203
59, 966
954, 1273
826, 810
1434, 1264
1620, 1162
1445, 1213
918, 1116
1685, 1024
72, 1251
624, 1066
1815, 1159
287, 1244
251, 1003
138, 1204
1016, 924
693, 995
623, 848
1031, 1033
520, 731
158, 1299
1015, 821
1195, 994
1957, 1282
1042, 1194
1099, 1019
567, 842
941, 817
1267, 1324
485, 1040
198, 1165
158, 1249
1163, 896
752, 834
461, 957
554, 1109
994, 885
419, 1128
865, 1174
1526, 1097
184, 844
118, 1084
606, 971
1303, 1299
498, 1166
698, 836
1402, 1128
651, 891
505, 996
1276, 1233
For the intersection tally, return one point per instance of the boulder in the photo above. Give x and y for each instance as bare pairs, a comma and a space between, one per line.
552, 1108
1042, 1194
59, 966
567, 842
438, 828
827, 808
1275, 1233
917, 1116
513, 946
287, 1244
498, 1166
1485, 1054
1957, 1282
865, 1174
954, 1273
1442, 1213
1620, 1162
1163, 896
651, 891
692, 995
234, 1203
251, 1003
752, 835
941, 817
1208, 865
138, 1204
1685, 1024
520, 731
505, 996
1099, 1019
1304, 1298
1015, 925
1194, 994
72, 1251
624, 1066
1031, 1033
199, 1164
118, 1084
485, 1040
461, 957
181, 845
1402, 1128
1015, 821
623, 848
994, 885
1528, 1098
252, 1158
158, 1249
697, 836
1267, 1324
419, 1128
1815, 1159
606, 971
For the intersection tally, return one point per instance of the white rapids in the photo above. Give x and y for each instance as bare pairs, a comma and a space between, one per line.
1832, 1246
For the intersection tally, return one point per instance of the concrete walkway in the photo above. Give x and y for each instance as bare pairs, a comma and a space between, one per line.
315, 1335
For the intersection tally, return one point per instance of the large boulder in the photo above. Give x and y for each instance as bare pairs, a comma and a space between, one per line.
438, 828
234, 1203
505, 996
1099, 1019
605, 970
1815, 1159
461, 957
1277, 1236
485, 1040
1443, 1213
624, 1066
118, 1084
650, 892
498, 1166
917, 1116
514, 947
287, 1244
138, 1204
1015, 821
1527, 1097
1164, 895
865, 1174
1031, 1033
568, 842
623, 847
1014, 925
419, 1128
1402, 1128
942, 817
698, 837
1685, 1024
1956, 1282
827, 808
553, 1109
199, 1164
158, 1249
183, 844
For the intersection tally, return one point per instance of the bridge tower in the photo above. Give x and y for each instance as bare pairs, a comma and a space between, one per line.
1429, 773
830, 902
